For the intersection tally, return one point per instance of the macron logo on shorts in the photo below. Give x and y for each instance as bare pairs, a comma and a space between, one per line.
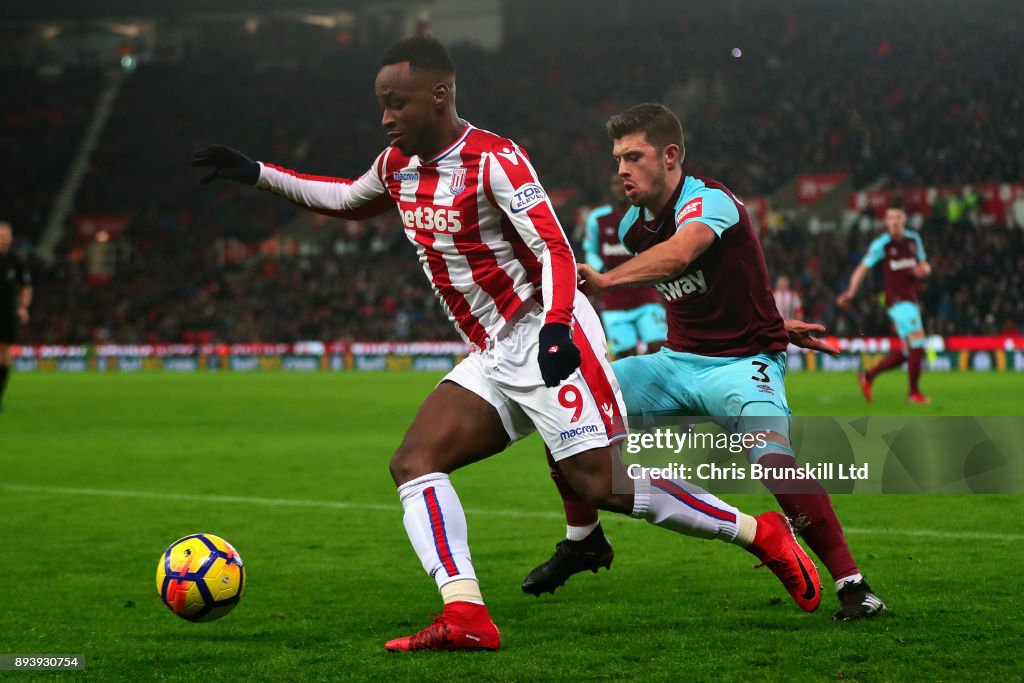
579, 431
691, 209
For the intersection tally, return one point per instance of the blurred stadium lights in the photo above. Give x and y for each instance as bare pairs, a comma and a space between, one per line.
127, 30
322, 20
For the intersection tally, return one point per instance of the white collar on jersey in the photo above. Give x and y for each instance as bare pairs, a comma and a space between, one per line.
451, 148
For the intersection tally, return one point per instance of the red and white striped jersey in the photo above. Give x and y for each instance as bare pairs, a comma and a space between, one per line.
789, 304
485, 232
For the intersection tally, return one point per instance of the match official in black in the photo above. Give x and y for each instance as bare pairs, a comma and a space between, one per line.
15, 297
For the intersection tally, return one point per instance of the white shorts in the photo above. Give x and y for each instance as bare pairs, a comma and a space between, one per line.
584, 412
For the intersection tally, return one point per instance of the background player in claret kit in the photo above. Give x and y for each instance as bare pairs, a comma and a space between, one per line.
901, 253
15, 298
725, 355
629, 316
498, 260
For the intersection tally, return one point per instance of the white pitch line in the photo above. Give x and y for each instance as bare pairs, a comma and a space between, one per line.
246, 500
396, 508
937, 533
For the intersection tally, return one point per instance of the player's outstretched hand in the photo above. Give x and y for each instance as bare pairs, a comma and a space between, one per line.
800, 335
227, 164
844, 298
558, 357
588, 280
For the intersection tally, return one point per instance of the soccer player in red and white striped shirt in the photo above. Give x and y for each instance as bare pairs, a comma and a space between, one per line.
496, 256
787, 300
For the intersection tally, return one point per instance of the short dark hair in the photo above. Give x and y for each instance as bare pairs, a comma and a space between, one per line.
659, 125
897, 204
424, 53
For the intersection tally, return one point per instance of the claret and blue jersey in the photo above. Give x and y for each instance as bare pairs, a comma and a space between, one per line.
899, 257
722, 304
725, 352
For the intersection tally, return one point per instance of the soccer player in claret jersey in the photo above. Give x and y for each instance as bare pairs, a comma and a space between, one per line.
629, 316
498, 260
903, 260
725, 355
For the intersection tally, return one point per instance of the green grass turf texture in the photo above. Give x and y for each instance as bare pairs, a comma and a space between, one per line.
328, 585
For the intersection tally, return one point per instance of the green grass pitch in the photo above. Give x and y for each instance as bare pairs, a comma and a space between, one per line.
99, 472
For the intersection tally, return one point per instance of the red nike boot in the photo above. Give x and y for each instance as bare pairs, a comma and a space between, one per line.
462, 626
777, 548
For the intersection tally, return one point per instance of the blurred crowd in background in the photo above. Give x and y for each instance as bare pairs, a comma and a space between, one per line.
891, 95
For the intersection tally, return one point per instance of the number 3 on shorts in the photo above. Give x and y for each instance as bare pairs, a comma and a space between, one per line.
761, 375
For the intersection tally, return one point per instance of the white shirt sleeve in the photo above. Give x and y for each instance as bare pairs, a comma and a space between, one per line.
324, 192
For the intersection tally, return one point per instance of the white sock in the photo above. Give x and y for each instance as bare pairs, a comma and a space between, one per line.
747, 530
436, 526
578, 533
462, 590
680, 506
852, 578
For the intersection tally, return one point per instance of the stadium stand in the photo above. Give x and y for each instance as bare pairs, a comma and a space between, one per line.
856, 104
43, 118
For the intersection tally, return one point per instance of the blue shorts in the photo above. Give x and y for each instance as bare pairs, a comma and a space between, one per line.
625, 328
906, 316
743, 394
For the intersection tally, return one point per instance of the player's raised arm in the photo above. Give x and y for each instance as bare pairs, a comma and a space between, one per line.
859, 273
362, 198
662, 262
876, 252
923, 269
512, 186
696, 231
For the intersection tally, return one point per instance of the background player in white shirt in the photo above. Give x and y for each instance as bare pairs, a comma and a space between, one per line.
787, 300
498, 260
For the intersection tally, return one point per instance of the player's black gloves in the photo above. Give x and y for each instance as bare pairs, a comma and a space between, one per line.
558, 357
227, 163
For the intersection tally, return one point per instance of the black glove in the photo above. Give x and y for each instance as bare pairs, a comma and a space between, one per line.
227, 163
558, 357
